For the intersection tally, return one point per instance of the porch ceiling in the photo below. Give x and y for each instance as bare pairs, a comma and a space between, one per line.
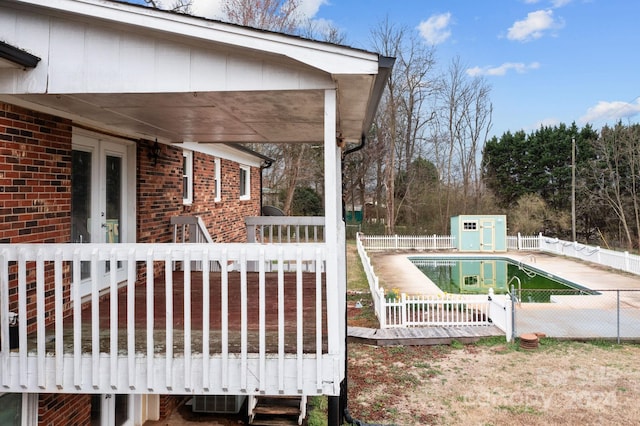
273, 116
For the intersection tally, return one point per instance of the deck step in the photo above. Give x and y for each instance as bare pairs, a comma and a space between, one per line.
276, 410
274, 421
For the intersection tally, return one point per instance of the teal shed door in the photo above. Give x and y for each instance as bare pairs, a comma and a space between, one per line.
487, 235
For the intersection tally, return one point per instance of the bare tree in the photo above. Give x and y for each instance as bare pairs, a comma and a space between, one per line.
404, 115
459, 133
609, 172
387, 40
274, 15
182, 6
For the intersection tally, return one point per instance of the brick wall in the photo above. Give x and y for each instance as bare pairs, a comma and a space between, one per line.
35, 190
159, 193
35, 177
64, 409
225, 218
160, 196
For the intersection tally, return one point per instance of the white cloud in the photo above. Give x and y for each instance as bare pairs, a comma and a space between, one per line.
211, 9
533, 26
501, 70
435, 30
309, 8
611, 111
554, 3
560, 3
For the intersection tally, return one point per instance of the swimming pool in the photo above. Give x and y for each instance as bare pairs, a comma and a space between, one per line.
475, 275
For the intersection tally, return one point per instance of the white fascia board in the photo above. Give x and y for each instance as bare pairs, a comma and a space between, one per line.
327, 57
222, 151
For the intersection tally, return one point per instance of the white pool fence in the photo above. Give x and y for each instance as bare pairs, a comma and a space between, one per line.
400, 310
621, 260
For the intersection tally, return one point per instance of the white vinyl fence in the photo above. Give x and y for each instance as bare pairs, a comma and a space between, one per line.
434, 310
443, 310
621, 260
406, 242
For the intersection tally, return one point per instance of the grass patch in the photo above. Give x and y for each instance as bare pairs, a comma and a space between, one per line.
358, 290
520, 409
356, 278
317, 411
456, 344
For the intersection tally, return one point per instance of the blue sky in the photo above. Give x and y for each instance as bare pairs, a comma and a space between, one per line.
547, 61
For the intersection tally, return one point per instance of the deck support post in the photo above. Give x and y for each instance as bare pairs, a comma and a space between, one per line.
333, 411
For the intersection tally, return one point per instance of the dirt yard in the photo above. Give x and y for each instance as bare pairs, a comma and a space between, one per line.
559, 383
489, 383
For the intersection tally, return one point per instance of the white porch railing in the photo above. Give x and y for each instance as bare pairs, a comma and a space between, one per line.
285, 229
89, 356
190, 229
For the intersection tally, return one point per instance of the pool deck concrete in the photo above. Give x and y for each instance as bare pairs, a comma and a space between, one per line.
571, 317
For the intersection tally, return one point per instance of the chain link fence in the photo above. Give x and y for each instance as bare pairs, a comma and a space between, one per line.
608, 314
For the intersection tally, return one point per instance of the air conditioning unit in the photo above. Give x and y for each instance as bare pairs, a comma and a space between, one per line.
217, 403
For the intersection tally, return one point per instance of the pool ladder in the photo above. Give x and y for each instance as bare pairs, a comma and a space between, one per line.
519, 294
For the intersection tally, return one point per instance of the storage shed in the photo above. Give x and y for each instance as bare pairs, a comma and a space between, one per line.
483, 233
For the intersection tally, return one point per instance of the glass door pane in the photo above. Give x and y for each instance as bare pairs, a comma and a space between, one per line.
121, 409
113, 201
81, 202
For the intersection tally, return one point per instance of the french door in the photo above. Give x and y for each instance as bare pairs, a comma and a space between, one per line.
100, 211
112, 410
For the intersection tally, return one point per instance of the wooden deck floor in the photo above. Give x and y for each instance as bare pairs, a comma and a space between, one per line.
271, 315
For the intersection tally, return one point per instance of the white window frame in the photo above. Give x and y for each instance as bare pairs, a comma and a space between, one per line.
217, 181
29, 408
470, 225
245, 192
187, 174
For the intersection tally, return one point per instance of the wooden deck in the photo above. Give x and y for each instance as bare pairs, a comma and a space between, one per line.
271, 319
421, 335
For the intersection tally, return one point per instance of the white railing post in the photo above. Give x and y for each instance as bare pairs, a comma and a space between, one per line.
626, 261
382, 315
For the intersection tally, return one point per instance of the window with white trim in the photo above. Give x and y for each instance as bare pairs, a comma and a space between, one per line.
470, 226
18, 408
187, 177
217, 186
245, 182
471, 280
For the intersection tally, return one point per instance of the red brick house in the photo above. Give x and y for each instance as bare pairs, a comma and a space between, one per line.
114, 121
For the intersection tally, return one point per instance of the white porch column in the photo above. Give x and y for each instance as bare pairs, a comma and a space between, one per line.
333, 226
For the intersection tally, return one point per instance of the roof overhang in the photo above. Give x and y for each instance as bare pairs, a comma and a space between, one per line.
155, 74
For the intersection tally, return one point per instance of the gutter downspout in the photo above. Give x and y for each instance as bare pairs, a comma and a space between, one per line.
344, 409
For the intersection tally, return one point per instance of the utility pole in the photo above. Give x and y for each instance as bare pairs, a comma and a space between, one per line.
573, 188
